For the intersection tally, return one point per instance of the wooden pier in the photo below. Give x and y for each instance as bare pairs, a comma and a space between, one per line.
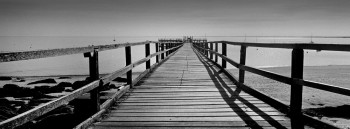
190, 91
186, 87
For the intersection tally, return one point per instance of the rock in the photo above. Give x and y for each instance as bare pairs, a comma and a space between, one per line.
24, 108
39, 95
59, 118
2, 93
17, 79
49, 80
113, 86
11, 90
42, 89
58, 88
88, 79
68, 90
79, 84
4, 102
7, 112
3, 78
120, 79
11, 87
56, 121
64, 77
65, 84
105, 87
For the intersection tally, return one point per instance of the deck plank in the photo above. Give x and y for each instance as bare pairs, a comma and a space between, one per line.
188, 91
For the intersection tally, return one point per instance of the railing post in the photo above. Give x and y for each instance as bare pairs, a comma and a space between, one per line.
157, 50
206, 49
94, 75
216, 50
147, 52
296, 90
128, 62
203, 47
171, 46
211, 48
224, 52
166, 48
242, 62
162, 49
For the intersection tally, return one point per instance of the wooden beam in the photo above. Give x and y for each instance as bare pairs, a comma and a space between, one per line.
147, 53
297, 90
94, 75
224, 53
242, 62
128, 62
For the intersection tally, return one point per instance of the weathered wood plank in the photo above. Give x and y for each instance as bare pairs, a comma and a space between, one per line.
189, 124
187, 93
193, 114
184, 119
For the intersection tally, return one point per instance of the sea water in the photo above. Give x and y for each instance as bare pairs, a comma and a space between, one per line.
113, 60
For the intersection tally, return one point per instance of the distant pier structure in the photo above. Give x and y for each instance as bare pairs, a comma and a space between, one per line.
185, 39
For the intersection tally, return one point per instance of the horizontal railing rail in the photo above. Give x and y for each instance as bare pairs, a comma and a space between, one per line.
27, 55
308, 46
296, 81
97, 82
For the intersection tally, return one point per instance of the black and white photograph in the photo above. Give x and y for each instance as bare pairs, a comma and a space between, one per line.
174, 64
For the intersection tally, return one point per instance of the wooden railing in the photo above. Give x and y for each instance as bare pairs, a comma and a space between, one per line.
163, 51
296, 80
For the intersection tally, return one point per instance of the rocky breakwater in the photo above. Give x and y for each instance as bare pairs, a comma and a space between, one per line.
16, 99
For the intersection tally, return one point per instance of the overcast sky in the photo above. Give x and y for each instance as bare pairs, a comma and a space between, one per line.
174, 17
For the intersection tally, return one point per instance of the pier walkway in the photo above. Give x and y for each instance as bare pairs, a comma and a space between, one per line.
189, 91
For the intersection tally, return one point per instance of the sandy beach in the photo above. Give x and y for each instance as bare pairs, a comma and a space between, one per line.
313, 99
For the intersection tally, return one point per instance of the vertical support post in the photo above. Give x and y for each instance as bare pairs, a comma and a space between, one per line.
94, 75
147, 52
162, 49
211, 48
203, 47
128, 62
242, 62
206, 48
297, 90
166, 48
216, 50
224, 52
157, 50
171, 46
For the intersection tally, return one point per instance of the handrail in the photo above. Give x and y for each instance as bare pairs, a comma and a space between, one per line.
27, 55
295, 81
309, 46
92, 86
284, 79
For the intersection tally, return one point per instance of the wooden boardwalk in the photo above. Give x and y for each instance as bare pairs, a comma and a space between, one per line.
188, 91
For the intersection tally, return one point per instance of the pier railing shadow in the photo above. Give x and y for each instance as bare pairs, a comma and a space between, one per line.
164, 50
232, 94
294, 111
